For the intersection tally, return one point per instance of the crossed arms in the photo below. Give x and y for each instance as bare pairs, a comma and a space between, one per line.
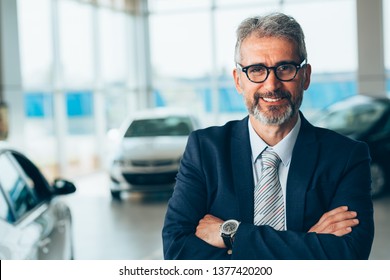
338, 222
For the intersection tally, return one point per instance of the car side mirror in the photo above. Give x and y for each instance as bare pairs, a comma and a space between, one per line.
61, 186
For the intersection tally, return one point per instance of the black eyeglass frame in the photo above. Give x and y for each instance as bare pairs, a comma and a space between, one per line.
297, 68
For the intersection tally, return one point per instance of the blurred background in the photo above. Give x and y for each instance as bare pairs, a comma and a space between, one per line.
72, 71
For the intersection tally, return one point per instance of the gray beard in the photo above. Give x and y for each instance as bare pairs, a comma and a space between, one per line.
277, 120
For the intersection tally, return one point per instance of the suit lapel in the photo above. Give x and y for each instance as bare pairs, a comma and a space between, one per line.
302, 167
242, 163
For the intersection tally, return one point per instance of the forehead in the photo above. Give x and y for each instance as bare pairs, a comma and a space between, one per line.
255, 49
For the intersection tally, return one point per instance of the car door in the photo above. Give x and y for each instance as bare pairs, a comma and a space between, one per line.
55, 220
20, 235
380, 138
379, 141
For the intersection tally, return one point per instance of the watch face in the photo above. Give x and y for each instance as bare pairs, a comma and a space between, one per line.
229, 227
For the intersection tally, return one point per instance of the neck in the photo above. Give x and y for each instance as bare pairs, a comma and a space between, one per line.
273, 134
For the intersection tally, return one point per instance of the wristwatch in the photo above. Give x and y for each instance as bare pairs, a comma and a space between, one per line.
228, 229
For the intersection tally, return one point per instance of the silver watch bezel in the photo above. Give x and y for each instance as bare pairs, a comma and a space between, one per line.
231, 232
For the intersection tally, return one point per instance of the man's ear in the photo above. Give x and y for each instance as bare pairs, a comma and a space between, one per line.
237, 80
307, 76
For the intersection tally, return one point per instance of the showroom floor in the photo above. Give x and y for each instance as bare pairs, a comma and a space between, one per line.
105, 229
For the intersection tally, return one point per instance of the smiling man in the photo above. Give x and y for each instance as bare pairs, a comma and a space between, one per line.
271, 186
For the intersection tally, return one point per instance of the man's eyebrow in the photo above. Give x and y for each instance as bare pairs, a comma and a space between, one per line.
286, 62
277, 64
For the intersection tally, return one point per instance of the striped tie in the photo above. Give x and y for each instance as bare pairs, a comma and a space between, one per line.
269, 203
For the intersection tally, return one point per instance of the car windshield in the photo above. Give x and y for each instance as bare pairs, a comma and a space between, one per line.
168, 126
354, 119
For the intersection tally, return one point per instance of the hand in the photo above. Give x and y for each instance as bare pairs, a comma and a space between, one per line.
338, 221
208, 231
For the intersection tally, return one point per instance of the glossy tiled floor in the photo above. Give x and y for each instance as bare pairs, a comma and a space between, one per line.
105, 229
131, 229
381, 247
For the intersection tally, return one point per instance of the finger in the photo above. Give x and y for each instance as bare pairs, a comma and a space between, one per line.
342, 231
340, 217
345, 229
342, 225
332, 221
332, 212
339, 228
335, 218
208, 217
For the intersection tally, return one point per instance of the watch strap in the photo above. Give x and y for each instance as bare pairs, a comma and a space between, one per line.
228, 241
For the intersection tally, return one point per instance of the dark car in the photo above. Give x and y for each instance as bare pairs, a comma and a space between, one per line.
34, 223
366, 119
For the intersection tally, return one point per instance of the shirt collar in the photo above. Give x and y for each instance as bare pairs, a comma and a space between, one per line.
284, 148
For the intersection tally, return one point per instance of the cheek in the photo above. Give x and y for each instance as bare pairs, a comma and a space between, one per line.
297, 95
249, 89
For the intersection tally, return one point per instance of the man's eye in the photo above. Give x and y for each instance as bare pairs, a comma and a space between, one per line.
257, 70
285, 68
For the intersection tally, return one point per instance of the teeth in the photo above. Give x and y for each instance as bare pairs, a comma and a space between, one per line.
271, 99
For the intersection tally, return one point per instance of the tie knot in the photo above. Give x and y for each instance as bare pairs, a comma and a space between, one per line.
270, 159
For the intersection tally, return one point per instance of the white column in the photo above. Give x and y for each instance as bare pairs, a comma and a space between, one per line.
10, 76
371, 72
144, 73
60, 118
99, 98
215, 73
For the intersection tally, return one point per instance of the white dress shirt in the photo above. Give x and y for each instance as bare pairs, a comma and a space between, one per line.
284, 150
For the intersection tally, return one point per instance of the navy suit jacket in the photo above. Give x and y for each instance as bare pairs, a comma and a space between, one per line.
216, 177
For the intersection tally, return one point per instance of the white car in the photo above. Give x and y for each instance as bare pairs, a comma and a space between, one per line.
150, 150
34, 223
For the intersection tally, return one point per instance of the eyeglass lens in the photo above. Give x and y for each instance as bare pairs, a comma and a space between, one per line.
259, 73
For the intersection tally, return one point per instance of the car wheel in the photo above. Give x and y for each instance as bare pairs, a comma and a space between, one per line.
116, 195
379, 180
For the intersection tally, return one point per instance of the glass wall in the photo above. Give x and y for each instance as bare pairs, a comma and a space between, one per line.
77, 61
193, 60
181, 54
37, 60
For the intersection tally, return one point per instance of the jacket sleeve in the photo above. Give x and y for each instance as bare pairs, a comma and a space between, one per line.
186, 207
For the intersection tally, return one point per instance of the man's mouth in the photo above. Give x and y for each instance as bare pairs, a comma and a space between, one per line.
270, 100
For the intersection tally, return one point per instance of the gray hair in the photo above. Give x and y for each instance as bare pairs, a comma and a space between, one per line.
273, 25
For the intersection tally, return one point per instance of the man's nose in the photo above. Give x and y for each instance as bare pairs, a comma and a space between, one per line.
272, 83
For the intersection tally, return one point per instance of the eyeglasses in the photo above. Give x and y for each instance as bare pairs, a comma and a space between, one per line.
258, 73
